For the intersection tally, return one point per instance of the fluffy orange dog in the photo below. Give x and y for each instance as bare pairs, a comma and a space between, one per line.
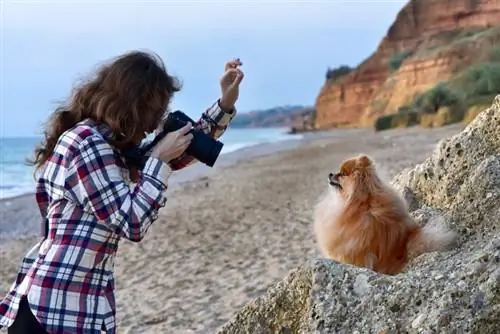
364, 222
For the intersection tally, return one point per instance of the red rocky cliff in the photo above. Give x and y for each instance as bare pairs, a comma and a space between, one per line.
425, 29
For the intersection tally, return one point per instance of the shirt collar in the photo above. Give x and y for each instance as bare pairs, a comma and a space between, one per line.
102, 128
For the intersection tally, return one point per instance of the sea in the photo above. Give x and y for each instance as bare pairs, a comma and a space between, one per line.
16, 177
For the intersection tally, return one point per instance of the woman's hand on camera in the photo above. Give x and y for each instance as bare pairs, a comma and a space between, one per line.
230, 83
174, 144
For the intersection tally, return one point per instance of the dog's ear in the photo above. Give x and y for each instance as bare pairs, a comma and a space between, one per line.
364, 161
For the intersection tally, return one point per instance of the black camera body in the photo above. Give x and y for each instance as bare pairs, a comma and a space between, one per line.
203, 147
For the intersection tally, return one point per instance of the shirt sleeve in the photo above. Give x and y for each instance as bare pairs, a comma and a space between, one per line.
214, 122
99, 186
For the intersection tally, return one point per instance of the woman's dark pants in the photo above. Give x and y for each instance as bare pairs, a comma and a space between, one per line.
25, 322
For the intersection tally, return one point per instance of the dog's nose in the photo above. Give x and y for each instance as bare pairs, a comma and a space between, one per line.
331, 177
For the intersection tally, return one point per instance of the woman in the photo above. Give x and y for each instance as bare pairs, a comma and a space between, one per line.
86, 198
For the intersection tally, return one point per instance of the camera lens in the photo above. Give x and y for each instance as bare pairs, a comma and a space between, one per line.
204, 148
214, 153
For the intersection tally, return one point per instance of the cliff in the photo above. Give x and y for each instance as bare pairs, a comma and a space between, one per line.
449, 292
429, 42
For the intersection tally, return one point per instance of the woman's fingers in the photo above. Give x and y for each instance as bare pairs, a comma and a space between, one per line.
185, 129
232, 64
230, 74
184, 144
188, 138
233, 77
239, 77
184, 141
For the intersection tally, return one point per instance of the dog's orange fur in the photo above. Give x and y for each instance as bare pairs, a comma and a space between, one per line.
362, 221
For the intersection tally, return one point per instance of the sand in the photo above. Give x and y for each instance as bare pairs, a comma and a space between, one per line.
224, 238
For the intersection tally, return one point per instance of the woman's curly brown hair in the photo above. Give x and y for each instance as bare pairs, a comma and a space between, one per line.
130, 94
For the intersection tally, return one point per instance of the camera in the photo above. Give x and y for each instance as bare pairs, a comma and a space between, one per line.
203, 147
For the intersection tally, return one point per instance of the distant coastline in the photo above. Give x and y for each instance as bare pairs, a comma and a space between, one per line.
283, 116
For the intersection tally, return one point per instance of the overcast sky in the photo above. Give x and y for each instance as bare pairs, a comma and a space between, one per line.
286, 47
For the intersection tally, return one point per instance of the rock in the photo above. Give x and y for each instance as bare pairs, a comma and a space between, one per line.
448, 292
419, 321
472, 112
303, 121
462, 175
283, 309
361, 285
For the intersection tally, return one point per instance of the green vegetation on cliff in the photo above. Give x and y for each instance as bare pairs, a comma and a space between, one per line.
333, 74
458, 99
397, 59
439, 96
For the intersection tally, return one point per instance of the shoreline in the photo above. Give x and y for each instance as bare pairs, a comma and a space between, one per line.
16, 205
224, 156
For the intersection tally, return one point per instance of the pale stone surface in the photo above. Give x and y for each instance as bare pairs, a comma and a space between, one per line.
450, 292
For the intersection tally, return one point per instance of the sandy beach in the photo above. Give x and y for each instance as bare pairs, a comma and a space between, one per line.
226, 236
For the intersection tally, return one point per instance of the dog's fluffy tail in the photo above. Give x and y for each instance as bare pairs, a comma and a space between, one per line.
433, 237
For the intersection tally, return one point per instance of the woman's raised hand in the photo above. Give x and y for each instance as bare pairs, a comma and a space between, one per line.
230, 84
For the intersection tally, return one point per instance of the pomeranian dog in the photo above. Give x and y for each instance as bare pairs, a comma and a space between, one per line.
362, 221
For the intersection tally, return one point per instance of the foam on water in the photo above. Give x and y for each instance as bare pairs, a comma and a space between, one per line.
16, 177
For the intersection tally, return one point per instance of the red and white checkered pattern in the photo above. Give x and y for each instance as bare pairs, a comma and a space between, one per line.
84, 197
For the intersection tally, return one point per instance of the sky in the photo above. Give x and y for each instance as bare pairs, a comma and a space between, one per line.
285, 46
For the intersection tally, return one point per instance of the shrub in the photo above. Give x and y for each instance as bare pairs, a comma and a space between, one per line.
447, 115
397, 59
439, 96
481, 80
404, 110
398, 120
383, 122
336, 73
472, 112
485, 100
427, 120
444, 116
495, 54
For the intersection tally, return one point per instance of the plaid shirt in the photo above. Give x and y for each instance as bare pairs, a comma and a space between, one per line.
88, 205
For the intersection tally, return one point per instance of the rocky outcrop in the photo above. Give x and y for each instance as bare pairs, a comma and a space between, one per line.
451, 292
303, 121
424, 35
297, 118
462, 176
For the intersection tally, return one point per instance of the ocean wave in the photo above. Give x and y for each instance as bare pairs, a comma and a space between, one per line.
9, 191
232, 147
16, 178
